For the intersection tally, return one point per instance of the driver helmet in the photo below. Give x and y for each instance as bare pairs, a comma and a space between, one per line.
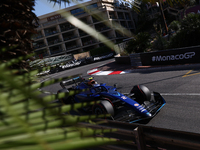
91, 82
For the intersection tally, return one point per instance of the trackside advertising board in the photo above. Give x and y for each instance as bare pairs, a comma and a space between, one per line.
171, 57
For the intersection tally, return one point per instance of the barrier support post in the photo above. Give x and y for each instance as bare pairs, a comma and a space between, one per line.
140, 141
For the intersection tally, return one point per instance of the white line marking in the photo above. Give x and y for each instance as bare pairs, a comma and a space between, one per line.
93, 70
177, 94
186, 94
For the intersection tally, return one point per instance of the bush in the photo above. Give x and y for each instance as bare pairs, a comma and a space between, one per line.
139, 44
100, 50
175, 25
189, 33
160, 43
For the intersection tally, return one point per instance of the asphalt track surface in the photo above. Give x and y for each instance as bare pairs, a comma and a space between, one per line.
178, 85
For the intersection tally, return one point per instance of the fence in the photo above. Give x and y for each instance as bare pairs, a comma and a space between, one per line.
141, 137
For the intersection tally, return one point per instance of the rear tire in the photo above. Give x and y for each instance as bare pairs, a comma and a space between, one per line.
104, 107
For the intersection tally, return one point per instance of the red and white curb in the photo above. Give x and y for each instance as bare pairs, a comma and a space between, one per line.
95, 71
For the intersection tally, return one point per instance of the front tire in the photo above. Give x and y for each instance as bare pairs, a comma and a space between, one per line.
66, 100
104, 107
141, 93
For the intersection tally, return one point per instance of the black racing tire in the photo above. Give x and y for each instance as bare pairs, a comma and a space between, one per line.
104, 107
141, 93
66, 100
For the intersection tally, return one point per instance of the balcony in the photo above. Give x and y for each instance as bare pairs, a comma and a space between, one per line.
94, 20
37, 36
66, 38
89, 42
130, 25
102, 28
55, 41
56, 51
113, 17
39, 46
49, 23
41, 54
123, 24
83, 34
120, 16
66, 27
50, 31
72, 47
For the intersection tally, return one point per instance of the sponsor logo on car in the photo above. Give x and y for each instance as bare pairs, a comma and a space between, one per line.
123, 97
136, 104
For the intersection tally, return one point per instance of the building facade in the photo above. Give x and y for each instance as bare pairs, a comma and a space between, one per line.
56, 36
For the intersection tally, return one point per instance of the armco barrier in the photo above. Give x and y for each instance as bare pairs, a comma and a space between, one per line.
135, 60
141, 137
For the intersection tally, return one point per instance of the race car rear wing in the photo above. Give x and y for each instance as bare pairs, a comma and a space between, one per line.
71, 81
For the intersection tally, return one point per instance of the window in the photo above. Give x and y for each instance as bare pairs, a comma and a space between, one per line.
80, 11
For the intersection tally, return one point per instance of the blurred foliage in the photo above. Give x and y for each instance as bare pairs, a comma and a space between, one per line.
140, 43
30, 121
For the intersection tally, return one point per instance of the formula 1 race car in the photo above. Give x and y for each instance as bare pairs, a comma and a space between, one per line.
133, 107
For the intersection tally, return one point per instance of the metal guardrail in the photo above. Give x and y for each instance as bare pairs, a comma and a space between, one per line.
135, 59
142, 137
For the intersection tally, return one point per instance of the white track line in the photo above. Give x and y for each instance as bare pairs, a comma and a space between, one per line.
184, 94
177, 94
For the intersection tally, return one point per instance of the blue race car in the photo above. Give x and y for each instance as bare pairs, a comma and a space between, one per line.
132, 107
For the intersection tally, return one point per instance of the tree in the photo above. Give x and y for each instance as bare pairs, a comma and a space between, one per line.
16, 29
29, 121
136, 5
189, 32
140, 43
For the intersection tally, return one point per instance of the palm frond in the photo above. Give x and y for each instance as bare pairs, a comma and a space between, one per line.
29, 121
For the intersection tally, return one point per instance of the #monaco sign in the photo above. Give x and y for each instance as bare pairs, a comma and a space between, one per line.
187, 55
170, 57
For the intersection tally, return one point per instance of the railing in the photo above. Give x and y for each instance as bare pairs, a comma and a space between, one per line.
37, 37
140, 137
39, 46
102, 28
51, 33
49, 23
56, 51
89, 42
54, 42
70, 37
67, 28
72, 47
41, 55
83, 34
